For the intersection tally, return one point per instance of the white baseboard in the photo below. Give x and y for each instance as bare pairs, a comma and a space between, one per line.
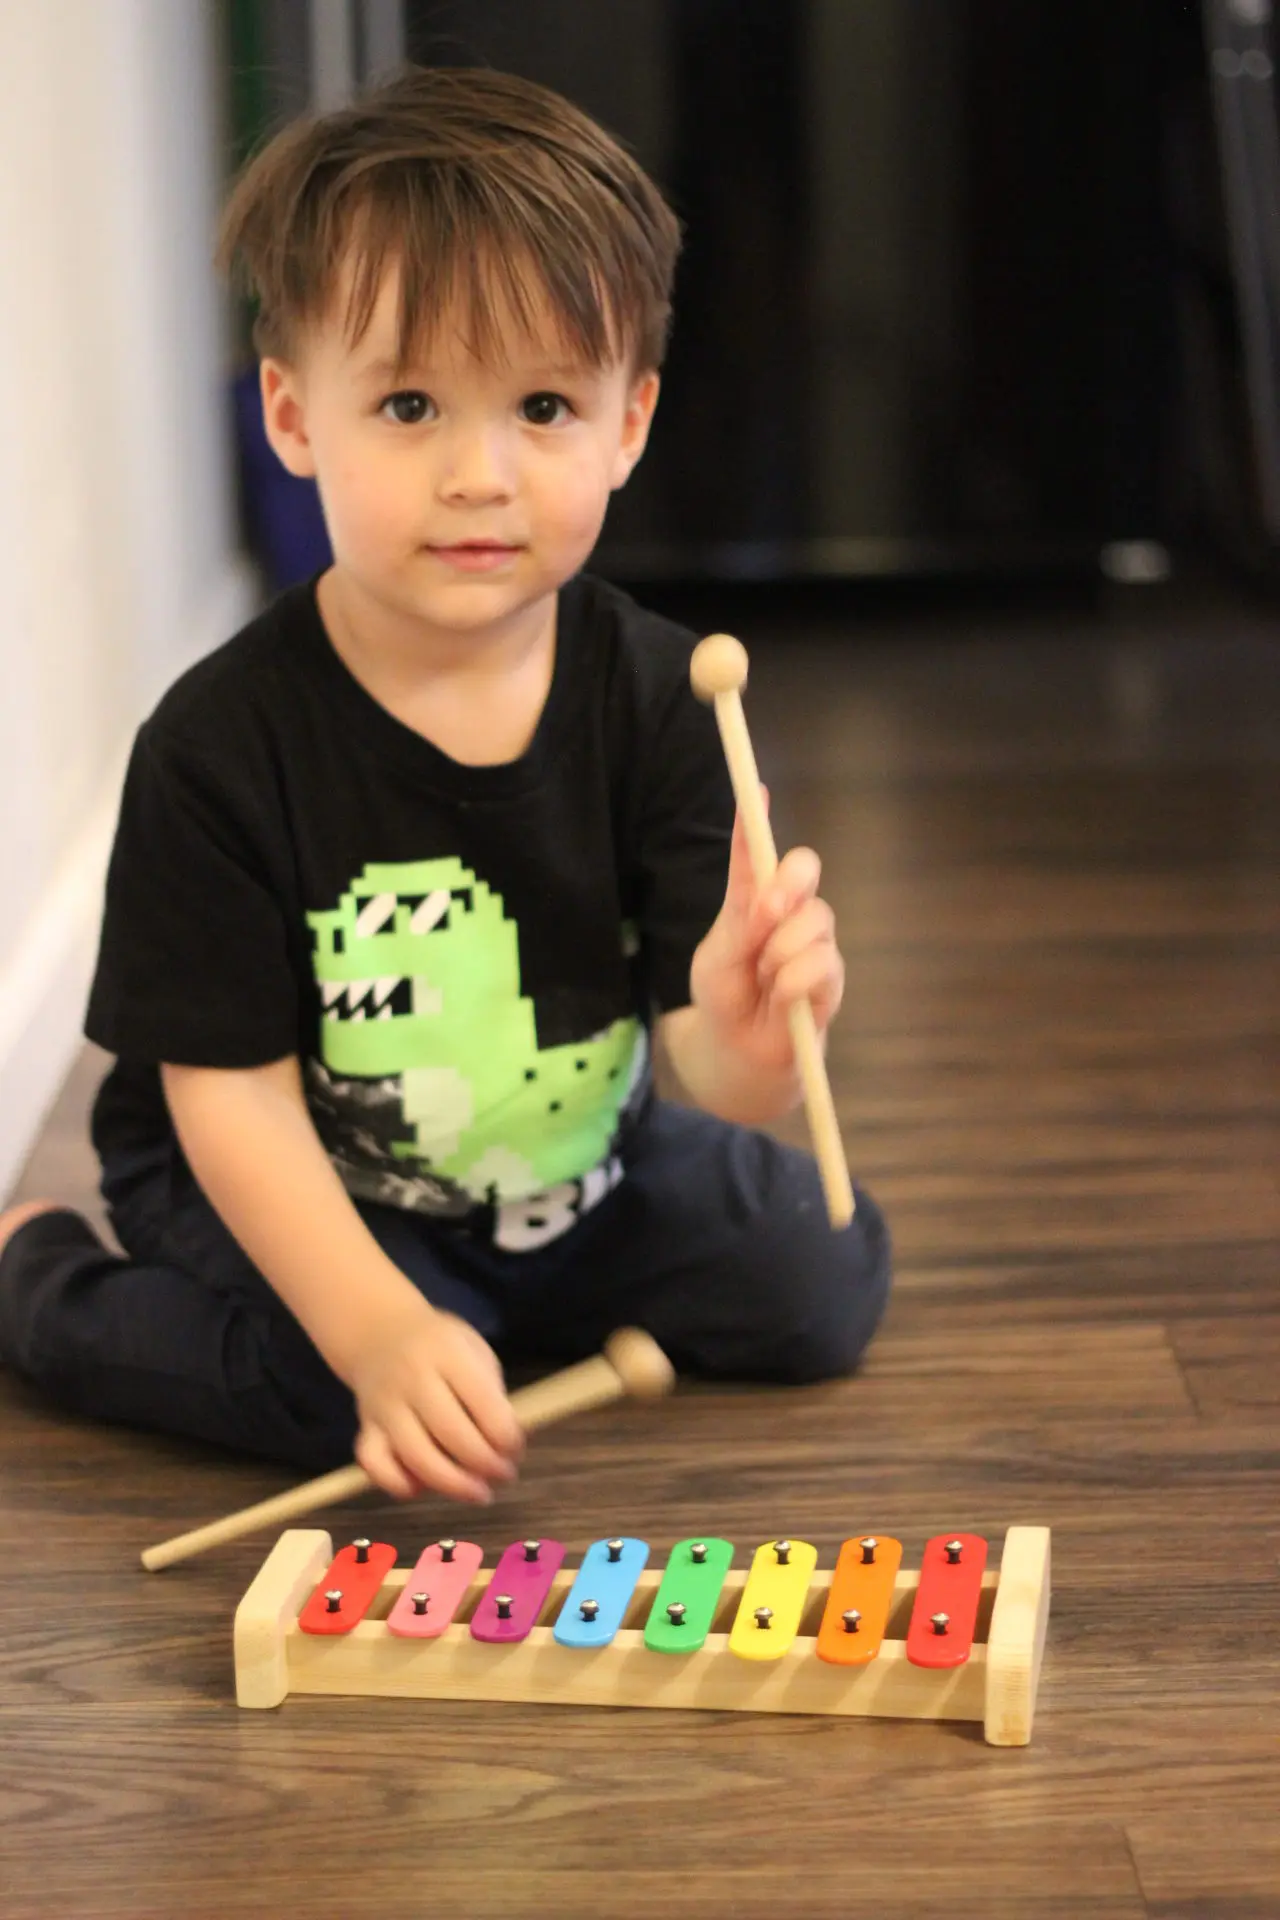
45, 983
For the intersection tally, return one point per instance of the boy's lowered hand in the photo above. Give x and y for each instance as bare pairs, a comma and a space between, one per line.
767, 949
433, 1407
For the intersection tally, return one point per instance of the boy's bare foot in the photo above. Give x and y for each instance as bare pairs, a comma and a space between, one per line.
14, 1217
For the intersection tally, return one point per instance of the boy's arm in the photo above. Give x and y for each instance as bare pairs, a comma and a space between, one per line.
252, 1147
428, 1389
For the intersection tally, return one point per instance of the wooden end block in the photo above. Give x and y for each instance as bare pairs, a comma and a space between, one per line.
1015, 1643
270, 1608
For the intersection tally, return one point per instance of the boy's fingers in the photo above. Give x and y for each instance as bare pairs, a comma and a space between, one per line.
373, 1452
811, 925
480, 1387
418, 1453
741, 888
810, 976
448, 1423
797, 879
738, 887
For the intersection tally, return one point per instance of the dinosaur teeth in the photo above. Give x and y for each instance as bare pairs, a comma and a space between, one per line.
381, 999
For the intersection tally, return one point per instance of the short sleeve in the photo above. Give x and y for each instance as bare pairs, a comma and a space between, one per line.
193, 962
683, 829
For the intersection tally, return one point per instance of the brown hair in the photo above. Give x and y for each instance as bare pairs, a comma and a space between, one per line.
480, 187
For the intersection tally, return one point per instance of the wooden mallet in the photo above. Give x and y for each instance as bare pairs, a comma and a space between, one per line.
632, 1364
718, 670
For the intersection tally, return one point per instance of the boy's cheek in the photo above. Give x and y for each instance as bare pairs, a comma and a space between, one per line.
365, 513
582, 508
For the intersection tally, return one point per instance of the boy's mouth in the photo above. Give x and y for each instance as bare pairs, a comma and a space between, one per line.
474, 556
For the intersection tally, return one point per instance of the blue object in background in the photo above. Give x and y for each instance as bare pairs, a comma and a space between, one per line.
283, 521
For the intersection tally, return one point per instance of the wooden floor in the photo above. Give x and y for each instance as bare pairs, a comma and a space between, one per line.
1053, 843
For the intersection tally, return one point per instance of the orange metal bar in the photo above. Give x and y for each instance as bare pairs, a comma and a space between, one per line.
862, 1586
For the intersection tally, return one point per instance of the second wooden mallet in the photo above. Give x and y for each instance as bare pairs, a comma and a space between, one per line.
718, 670
632, 1363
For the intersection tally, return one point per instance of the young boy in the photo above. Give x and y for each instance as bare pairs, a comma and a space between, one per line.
408, 872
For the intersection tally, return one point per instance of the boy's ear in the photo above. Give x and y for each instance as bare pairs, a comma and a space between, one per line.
284, 418
641, 402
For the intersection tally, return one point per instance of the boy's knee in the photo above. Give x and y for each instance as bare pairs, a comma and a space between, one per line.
833, 1297
804, 1304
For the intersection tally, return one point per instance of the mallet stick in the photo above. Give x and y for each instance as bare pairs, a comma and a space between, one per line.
632, 1363
718, 670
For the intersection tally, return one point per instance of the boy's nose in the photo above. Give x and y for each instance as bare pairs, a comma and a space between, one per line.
476, 466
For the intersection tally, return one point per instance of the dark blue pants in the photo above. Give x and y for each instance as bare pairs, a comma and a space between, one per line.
716, 1241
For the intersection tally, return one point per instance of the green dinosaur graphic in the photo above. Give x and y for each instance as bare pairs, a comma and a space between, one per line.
419, 974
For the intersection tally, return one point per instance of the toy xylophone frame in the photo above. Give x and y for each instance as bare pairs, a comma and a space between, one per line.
996, 1686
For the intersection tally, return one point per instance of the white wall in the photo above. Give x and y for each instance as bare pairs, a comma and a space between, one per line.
118, 561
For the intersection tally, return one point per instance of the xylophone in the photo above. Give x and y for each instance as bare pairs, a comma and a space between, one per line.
953, 1641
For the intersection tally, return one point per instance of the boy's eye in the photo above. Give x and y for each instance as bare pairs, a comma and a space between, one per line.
407, 409
545, 409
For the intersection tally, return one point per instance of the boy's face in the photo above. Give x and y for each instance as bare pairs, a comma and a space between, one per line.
455, 493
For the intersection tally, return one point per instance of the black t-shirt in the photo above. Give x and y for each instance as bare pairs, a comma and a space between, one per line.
466, 960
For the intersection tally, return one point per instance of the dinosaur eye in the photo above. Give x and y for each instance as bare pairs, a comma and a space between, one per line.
428, 912
375, 913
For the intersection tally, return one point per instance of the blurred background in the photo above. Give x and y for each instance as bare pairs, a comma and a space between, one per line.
970, 289
979, 299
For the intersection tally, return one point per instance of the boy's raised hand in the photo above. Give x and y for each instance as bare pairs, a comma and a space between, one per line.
767, 949
433, 1407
